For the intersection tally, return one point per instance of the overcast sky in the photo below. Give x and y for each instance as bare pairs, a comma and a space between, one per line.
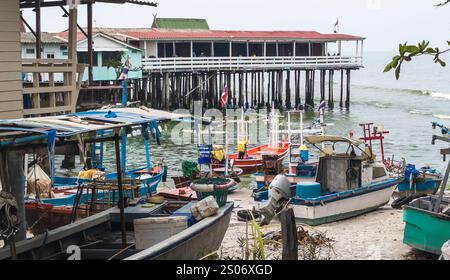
385, 23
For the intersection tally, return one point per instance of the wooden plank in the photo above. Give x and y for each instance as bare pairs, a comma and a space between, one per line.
10, 76
11, 105
15, 114
48, 89
8, 46
8, 16
9, 25
46, 69
10, 66
10, 56
11, 96
9, 5
47, 110
10, 36
10, 85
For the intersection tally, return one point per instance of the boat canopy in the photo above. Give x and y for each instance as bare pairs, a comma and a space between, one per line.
28, 130
318, 139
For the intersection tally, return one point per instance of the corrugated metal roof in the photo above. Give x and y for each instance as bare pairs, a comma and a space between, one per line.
48, 38
180, 23
157, 33
18, 131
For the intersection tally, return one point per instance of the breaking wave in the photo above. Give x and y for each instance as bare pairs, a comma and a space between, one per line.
431, 93
442, 116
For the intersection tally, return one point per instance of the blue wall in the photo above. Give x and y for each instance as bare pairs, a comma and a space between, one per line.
102, 73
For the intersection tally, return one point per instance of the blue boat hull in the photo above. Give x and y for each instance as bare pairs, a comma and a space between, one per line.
148, 186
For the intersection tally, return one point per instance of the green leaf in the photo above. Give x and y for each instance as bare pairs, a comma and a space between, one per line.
397, 72
412, 49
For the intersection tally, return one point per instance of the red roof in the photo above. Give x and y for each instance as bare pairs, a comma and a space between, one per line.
187, 34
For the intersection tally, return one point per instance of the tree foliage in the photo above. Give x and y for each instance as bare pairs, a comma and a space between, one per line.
408, 52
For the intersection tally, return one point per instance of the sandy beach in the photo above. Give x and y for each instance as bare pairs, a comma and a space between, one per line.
376, 235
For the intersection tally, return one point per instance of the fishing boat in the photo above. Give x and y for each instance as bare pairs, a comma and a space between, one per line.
169, 232
346, 185
296, 170
65, 191
253, 160
427, 219
425, 180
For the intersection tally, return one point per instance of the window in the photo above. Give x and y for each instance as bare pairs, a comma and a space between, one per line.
63, 47
83, 58
29, 51
50, 55
114, 56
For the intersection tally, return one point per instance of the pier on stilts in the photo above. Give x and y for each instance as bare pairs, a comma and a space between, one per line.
287, 68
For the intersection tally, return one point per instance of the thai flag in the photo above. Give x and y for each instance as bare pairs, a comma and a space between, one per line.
224, 97
322, 105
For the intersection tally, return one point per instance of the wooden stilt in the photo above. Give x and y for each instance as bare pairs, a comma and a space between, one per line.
288, 89
331, 89
347, 100
341, 104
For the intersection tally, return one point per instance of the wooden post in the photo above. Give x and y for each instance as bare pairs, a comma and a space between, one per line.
280, 88
341, 104
288, 89
246, 90
121, 196
241, 91
263, 103
307, 89
37, 9
347, 100
313, 77
90, 47
322, 84
330, 89
289, 235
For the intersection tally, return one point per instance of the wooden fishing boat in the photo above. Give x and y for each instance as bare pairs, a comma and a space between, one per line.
99, 236
427, 219
425, 229
346, 185
425, 181
253, 159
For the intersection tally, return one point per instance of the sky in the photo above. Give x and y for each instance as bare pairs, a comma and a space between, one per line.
385, 23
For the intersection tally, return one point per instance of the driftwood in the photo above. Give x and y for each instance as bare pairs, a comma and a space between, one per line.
289, 235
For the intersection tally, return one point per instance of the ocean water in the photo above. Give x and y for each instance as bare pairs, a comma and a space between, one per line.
405, 108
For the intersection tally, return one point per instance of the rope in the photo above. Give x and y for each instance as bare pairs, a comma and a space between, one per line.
9, 222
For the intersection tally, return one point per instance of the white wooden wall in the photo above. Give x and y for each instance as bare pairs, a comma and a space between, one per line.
11, 104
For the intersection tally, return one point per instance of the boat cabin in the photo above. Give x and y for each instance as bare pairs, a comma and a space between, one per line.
343, 168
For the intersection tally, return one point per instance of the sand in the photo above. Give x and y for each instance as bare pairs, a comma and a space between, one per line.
376, 235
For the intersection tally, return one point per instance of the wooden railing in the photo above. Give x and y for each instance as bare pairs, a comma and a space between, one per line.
250, 63
51, 86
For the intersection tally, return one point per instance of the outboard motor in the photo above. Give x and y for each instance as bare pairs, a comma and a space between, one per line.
279, 194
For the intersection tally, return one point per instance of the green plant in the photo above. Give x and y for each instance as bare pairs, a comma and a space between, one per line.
408, 52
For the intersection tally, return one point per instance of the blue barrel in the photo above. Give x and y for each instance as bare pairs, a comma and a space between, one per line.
304, 155
308, 190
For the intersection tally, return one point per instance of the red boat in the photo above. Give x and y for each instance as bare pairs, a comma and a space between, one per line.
253, 160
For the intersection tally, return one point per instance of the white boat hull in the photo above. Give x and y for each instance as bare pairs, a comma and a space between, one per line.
343, 208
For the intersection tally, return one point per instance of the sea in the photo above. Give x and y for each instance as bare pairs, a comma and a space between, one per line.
404, 107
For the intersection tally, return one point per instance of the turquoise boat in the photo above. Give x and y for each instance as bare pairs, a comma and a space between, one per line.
426, 230
428, 218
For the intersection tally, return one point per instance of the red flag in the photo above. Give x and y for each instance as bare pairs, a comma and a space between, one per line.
224, 97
